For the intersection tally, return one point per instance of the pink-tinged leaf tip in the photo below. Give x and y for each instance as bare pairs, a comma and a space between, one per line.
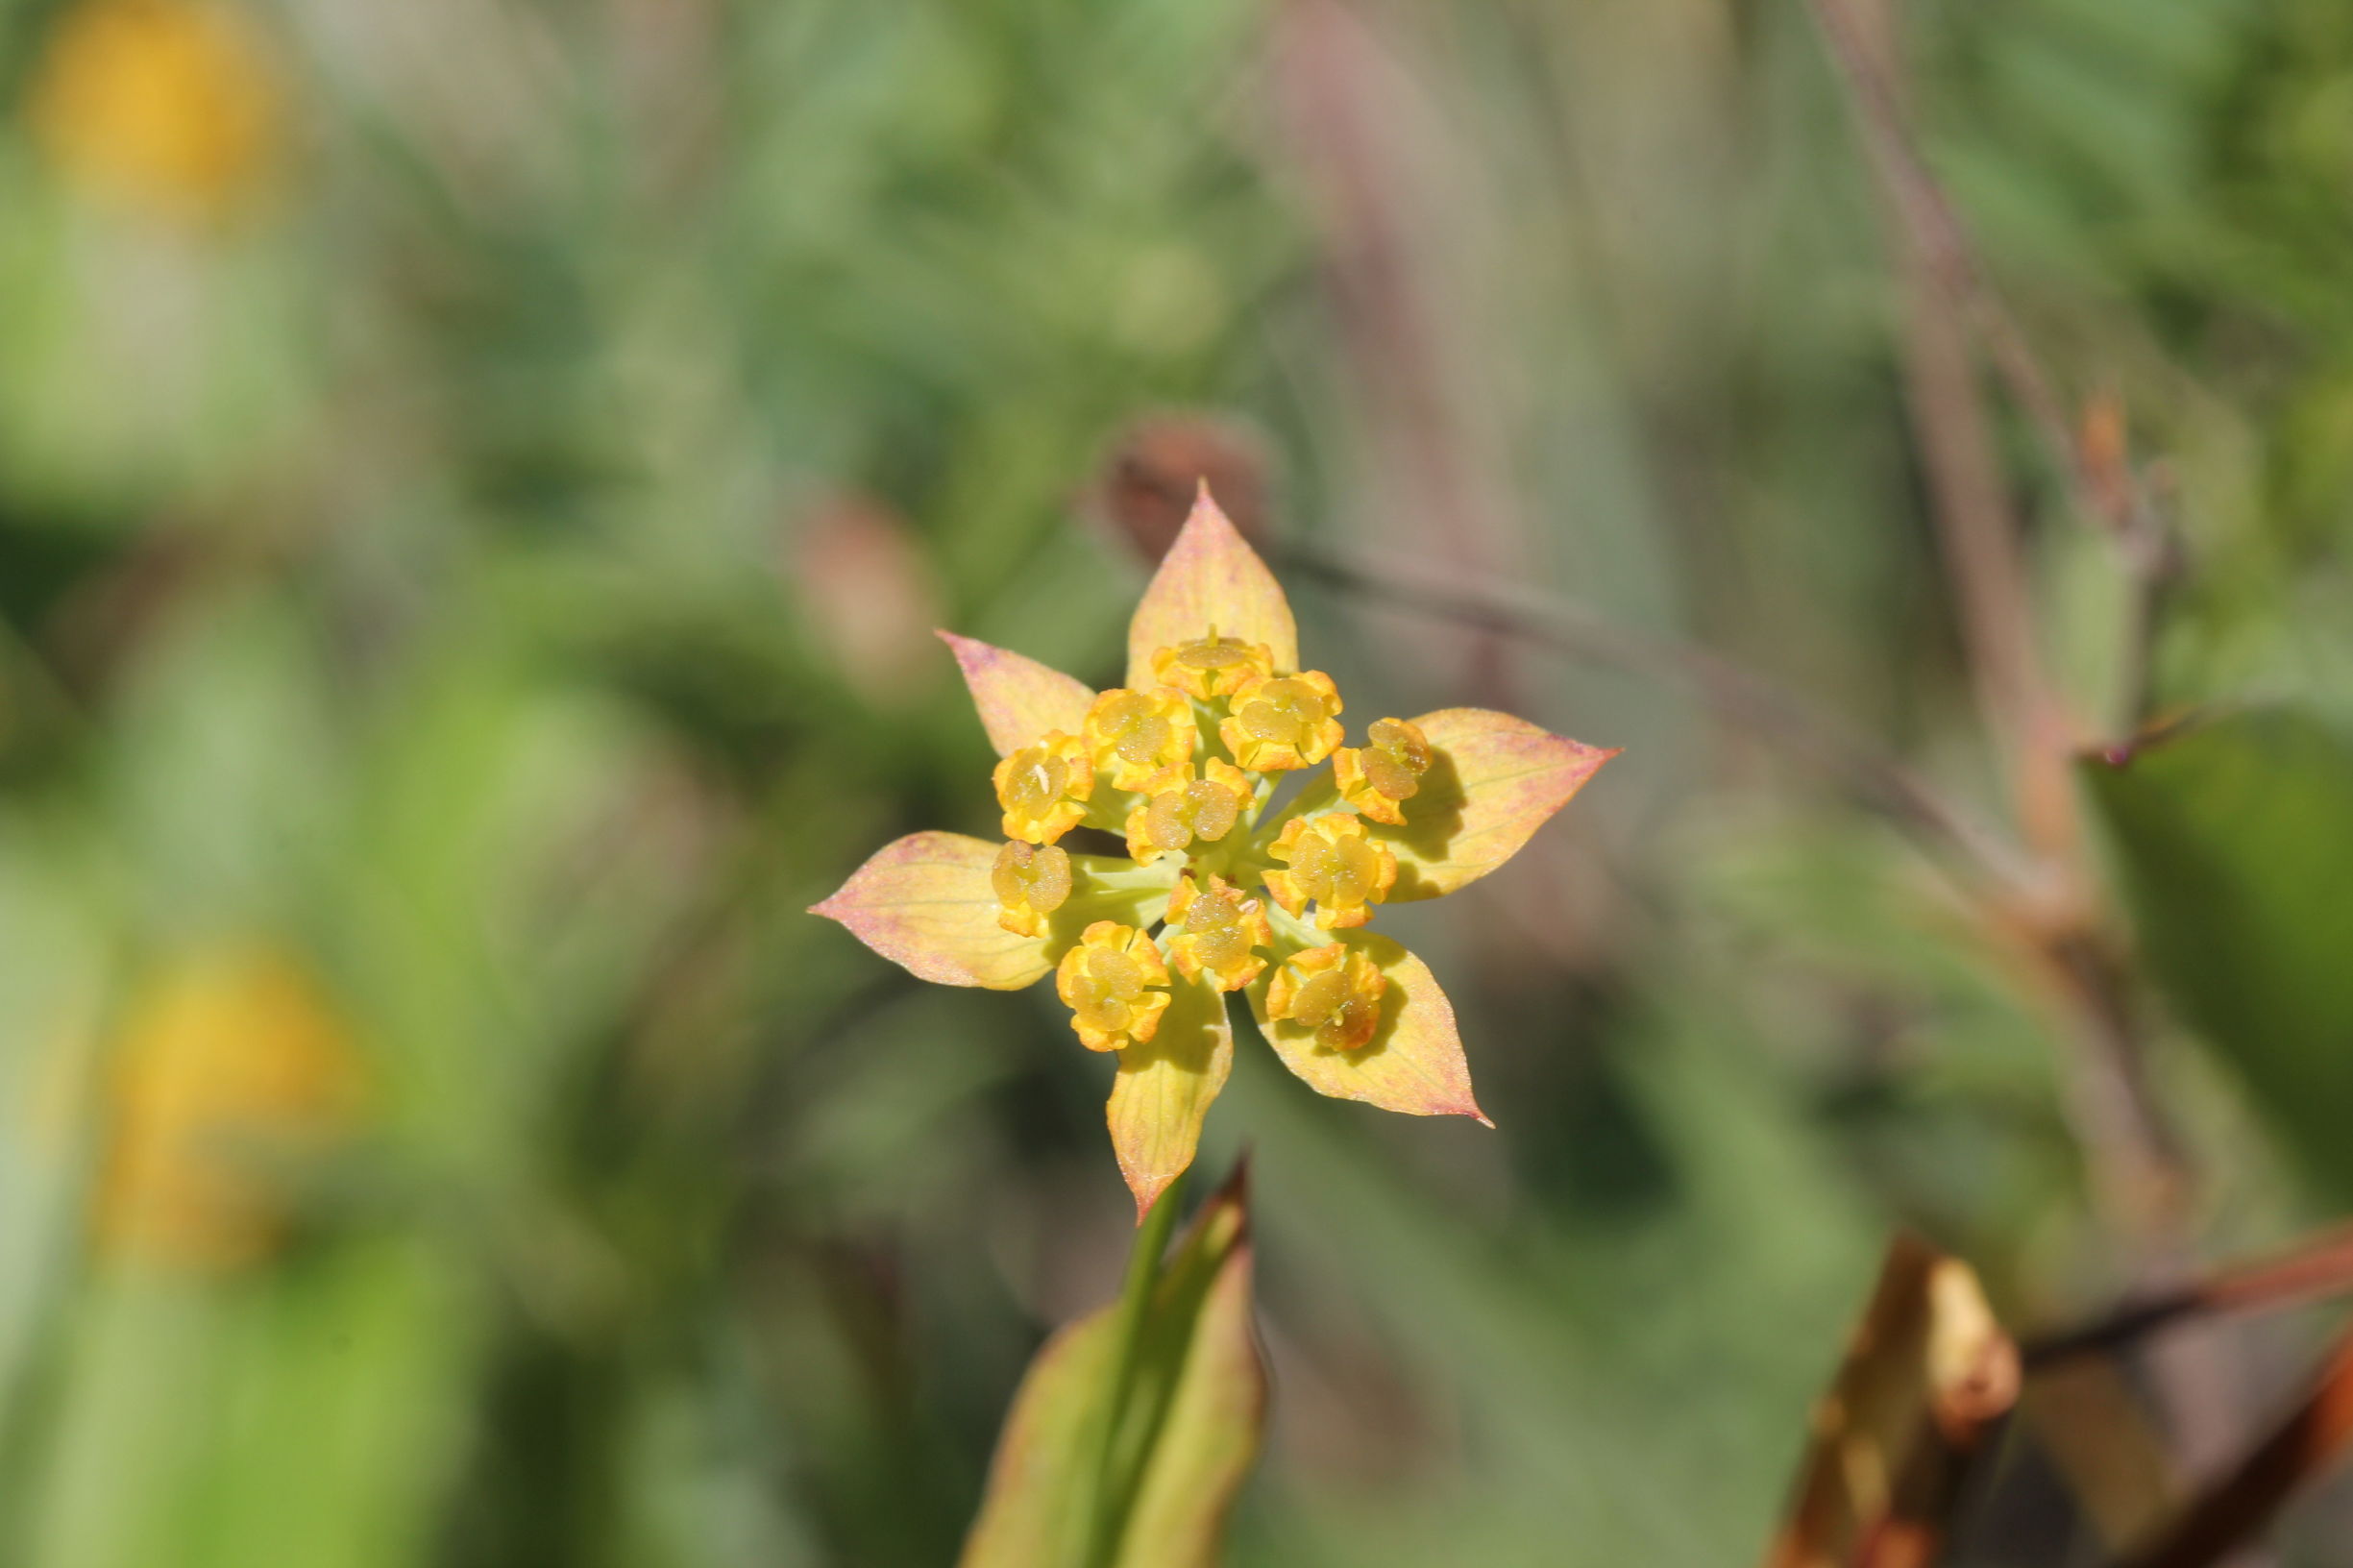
1211, 580
926, 903
1494, 780
1019, 700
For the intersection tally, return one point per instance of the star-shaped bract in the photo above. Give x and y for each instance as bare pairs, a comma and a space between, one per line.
1217, 892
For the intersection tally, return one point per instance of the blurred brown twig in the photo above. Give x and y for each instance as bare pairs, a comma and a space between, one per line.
2139, 1168
2321, 1267
1871, 775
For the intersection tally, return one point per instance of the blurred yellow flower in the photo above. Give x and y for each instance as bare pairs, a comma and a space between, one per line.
167, 107
231, 1068
1230, 893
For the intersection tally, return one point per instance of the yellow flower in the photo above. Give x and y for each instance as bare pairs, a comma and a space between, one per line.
1284, 721
1136, 736
163, 105
1115, 986
1044, 787
1032, 881
1331, 864
1179, 809
1216, 928
233, 1067
1213, 665
1215, 892
1332, 992
1375, 777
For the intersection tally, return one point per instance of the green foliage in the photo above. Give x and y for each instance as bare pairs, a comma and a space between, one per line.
463, 575
2235, 837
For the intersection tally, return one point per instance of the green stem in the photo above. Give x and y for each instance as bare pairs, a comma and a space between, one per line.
1109, 1502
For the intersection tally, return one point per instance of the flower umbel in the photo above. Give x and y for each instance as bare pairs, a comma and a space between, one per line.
1218, 892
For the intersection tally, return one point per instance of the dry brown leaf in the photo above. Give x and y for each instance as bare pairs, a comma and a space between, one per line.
1928, 1371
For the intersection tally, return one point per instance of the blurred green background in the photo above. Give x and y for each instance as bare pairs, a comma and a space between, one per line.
476, 481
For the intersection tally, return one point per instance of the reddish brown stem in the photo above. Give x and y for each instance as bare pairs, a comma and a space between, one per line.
2322, 1266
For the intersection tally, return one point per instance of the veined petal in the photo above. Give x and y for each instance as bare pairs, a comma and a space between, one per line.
926, 903
1209, 579
1164, 1088
1493, 780
1018, 698
1412, 1064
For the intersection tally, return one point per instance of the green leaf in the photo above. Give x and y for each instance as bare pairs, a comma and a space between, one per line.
1188, 1428
2234, 840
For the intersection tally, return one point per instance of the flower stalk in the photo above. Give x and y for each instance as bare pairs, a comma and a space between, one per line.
1114, 1481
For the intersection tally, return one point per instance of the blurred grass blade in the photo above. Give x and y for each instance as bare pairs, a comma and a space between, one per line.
2234, 840
1927, 1372
1187, 1429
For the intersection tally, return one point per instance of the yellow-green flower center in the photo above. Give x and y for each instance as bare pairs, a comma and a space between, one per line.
1328, 1000
1217, 922
1105, 993
1202, 809
1137, 730
1338, 871
1036, 781
1212, 655
1331, 991
1038, 876
1282, 712
1396, 759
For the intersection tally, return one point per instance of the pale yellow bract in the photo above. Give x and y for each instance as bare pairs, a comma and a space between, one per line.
1217, 892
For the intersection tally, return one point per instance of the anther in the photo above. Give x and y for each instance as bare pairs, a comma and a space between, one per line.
1387, 769
1044, 788
1334, 992
1213, 665
1031, 881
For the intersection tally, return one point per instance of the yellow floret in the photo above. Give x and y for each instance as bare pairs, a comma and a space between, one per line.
1031, 881
1333, 992
1044, 787
1115, 985
167, 106
1213, 665
1284, 721
1389, 769
1334, 867
1214, 928
1179, 808
1135, 735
